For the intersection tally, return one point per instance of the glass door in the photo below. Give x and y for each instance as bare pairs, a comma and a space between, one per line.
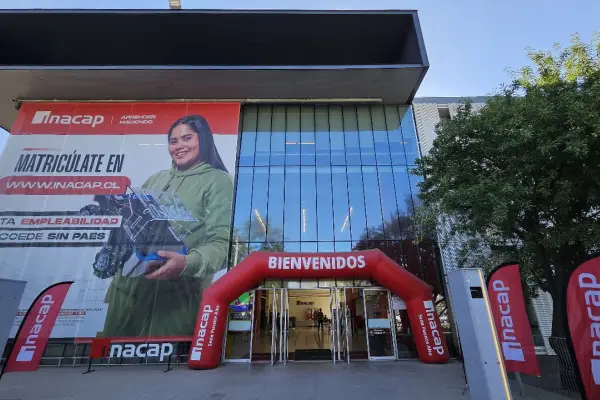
275, 319
240, 324
280, 325
342, 325
380, 337
284, 326
333, 324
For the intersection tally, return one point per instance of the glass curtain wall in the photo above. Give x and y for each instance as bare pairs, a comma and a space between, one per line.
329, 178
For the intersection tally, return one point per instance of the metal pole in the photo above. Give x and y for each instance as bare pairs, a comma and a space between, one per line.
520, 383
347, 324
365, 291
392, 318
337, 322
332, 326
280, 322
253, 294
287, 325
273, 322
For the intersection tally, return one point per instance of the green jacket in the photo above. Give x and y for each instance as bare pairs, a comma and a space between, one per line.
146, 307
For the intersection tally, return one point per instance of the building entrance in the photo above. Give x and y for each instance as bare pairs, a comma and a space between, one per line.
214, 323
333, 325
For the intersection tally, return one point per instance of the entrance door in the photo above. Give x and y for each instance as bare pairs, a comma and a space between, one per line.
279, 325
380, 336
275, 317
333, 324
240, 329
341, 325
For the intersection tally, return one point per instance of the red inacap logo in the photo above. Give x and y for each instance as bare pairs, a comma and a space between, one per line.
46, 117
511, 347
27, 351
592, 302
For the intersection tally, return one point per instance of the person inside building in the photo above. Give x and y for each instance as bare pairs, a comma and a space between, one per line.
164, 301
320, 319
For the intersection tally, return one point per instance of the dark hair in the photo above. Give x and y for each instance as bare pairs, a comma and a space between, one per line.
208, 151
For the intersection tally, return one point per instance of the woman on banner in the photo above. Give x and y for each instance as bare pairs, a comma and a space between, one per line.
164, 299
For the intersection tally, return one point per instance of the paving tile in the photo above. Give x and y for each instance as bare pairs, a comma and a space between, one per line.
296, 381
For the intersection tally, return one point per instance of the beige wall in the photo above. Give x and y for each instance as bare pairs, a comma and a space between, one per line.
299, 311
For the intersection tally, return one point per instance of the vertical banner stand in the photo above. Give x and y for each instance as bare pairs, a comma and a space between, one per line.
96, 352
520, 383
168, 365
466, 388
89, 367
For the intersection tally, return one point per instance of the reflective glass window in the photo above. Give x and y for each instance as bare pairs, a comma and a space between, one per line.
263, 136
248, 139
351, 140
292, 213
411, 254
239, 251
403, 192
414, 187
308, 196
409, 135
243, 205
356, 202
307, 135
258, 217
392, 119
389, 207
278, 135
380, 136
291, 247
372, 202
324, 204
308, 247
343, 246
336, 136
431, 272
329, 178
326, 247
292, 136
276, 202
365, 135
341, 210
322, 147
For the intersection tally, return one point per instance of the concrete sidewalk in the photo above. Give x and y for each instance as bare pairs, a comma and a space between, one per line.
297, 381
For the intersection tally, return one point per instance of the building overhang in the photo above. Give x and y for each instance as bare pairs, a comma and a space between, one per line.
248, 56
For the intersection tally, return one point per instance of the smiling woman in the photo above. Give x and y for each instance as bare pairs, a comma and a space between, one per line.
163, 301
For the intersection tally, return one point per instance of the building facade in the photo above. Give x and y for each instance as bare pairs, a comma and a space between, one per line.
319, 144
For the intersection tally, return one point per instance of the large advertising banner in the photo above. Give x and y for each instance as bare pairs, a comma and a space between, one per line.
130, 201
583, 313
511, 321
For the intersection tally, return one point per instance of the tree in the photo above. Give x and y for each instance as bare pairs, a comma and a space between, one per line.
520, 178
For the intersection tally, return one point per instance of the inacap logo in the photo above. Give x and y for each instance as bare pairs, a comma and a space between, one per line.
46, 117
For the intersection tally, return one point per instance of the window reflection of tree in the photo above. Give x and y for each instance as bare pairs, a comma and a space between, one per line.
259, 241
396, 238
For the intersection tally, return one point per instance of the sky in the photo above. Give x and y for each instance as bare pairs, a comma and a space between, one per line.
470, 43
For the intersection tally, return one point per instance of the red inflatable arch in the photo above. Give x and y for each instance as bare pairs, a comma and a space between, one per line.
211, 322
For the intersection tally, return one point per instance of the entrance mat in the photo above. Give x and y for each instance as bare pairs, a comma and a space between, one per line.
261, 356
267, 357
312, 355
359, 355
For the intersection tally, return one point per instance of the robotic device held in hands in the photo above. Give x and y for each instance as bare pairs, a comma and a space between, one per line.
151, 221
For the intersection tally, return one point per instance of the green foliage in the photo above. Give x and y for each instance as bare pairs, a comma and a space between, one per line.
520, 177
